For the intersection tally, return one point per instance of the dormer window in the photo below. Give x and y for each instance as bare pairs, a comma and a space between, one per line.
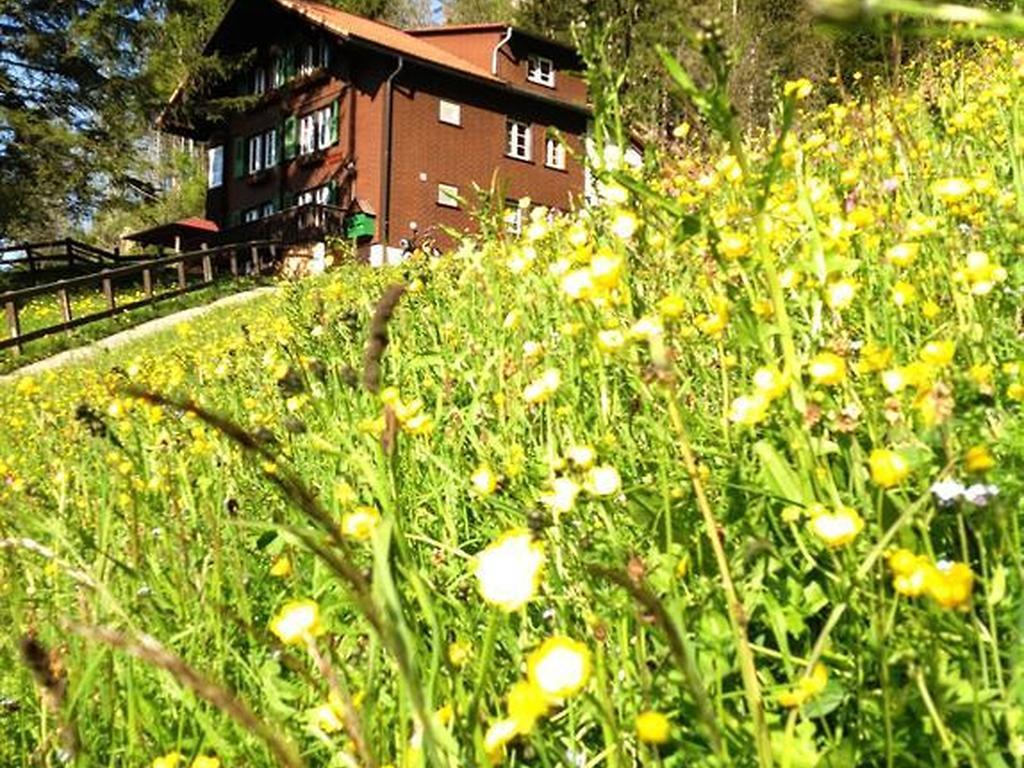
541, 70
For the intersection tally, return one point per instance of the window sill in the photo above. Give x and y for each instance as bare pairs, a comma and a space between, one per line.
550, 86
312, 158
519, 159
257, 178
559, 168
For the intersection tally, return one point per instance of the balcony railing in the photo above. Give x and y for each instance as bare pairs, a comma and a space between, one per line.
292, 226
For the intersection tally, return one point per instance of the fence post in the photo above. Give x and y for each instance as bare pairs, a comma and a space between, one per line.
13, 328
65, 306
255, 260
31, 262
147, 282
182, 282
108, 292
234, 262
207, 267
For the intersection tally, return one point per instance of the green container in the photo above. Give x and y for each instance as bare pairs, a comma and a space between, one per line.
360, 225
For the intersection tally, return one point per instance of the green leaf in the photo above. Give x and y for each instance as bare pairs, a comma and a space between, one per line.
780, 478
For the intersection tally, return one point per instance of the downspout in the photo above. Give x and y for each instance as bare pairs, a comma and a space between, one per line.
385, 169
501, 44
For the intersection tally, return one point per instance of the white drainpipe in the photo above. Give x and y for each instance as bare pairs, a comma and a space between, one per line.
501, 44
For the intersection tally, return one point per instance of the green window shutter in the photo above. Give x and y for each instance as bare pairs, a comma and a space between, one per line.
332, 192
334, 122
289, 62
291, 137
238, 156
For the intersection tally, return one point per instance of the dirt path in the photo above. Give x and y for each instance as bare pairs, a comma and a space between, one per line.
96, 348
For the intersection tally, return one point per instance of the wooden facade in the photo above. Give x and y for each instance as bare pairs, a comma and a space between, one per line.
397, 125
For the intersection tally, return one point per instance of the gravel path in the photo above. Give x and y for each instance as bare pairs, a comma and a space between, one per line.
97, 348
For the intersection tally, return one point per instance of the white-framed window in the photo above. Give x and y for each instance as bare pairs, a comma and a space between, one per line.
305, 198
255, 153
214, 167
513, 219
323, 128
322, 195
278, 69
267, 209
449, 112
307, 134
270, 148
253, 214
448, 195
541, 70
308, 61
323, 53
554, 153
518, 145
259, 81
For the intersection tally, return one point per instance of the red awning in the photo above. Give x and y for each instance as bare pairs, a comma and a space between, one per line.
186, 234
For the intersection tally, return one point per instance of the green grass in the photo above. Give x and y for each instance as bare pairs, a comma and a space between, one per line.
771, 571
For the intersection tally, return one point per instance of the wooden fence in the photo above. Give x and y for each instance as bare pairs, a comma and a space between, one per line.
239, 259
67, 252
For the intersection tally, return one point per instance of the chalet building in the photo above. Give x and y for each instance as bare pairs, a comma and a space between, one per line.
389, 129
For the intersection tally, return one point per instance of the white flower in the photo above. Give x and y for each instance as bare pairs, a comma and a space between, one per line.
947, 491
980, 494
562, 496
508, 571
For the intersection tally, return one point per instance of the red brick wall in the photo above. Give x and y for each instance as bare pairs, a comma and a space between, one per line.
474, 152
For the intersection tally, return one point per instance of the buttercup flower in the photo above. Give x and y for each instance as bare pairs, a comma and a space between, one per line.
827, 368
888, 468
508, 571
296, 621
526, 705
484, 481
360, 523
170, 760
950, 584
560, 667
652, 727
603, 481
979, 459
837, 528
807, 687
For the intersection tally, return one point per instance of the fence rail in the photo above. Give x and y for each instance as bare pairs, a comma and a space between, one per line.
253, 257
68, 252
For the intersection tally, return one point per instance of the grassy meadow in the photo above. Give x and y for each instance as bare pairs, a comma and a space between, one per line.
725, 470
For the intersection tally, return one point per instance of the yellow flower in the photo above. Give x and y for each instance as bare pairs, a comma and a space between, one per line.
873, 357
578, 284
624, 225
560, 667
543, 388
204, 761
508, 571
841, 294
827, 368
459, 652
910, 572
770, 382
610, 340
938, 353
837, 528
903, 294
170, 760
360, 523
902, 254
652, 727
562, 496
888, 468
671, 306
603, 481
749, 409
799, 89
930, 310
979, 459
498, 735
581, 456
296, 621
526, 705
950, 584
733, 245
484, 481
606, 269
281, 567
807, 687
951, 190
327, 718
980, 273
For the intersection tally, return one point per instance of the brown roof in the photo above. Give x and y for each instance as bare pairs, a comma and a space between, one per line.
351, 26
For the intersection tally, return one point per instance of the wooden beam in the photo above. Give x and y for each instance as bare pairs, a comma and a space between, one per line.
13, 327
65, 305
108, 292
147, 282
182, 281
